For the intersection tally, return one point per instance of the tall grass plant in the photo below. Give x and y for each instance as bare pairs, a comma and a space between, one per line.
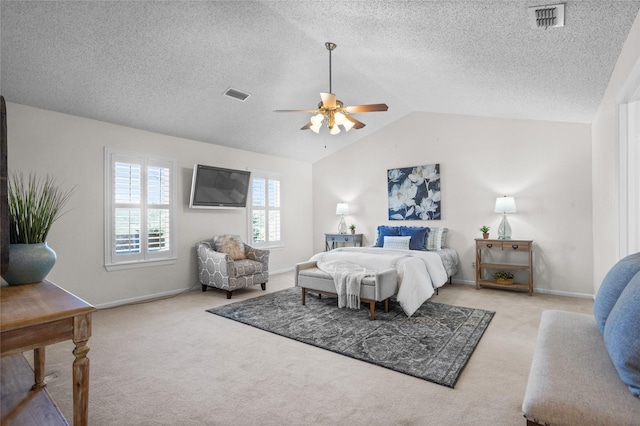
35, 203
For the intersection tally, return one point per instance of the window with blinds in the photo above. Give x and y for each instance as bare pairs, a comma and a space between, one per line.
140, 192
266, 210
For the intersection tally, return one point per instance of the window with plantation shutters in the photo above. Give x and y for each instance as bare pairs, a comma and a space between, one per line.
140, 193
265, 216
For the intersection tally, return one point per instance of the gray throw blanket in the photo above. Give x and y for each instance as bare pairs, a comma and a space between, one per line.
347, 277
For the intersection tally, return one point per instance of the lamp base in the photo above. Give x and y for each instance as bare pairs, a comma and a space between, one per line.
504, 230
342, 226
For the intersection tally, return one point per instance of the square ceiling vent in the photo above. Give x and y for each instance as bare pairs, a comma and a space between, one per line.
236, 94
546, 16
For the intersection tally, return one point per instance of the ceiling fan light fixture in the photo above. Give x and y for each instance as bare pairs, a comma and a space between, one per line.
348, 125
334, 110
317, 119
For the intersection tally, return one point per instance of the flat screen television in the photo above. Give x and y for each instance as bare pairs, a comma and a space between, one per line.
219, 188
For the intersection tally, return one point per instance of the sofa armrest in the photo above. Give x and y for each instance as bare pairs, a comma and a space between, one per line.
259, 255
222, 263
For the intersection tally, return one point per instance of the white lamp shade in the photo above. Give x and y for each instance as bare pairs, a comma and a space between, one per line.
316, 127
342, 208
348, 125
317, 119
505, 205
339, 118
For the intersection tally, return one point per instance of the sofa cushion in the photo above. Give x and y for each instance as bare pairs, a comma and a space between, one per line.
418, 236
622, 335
229, 244
401, 243
612, 286
246, 267
384, 231
572, 380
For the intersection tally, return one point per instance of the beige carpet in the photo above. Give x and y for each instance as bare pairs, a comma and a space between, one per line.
169, 362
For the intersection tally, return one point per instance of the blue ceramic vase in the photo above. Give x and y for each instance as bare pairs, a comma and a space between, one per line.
29, 263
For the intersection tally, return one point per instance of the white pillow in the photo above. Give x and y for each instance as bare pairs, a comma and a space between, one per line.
436, 238
401, 243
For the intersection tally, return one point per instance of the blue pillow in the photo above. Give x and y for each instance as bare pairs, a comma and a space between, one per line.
386, 231
418, 236
612, 285
622, 335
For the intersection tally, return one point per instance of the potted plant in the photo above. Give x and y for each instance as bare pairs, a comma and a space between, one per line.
503, 277
35, 203
353, 228
485, 232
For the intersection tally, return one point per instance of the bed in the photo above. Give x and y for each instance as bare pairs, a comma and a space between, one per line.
421, 271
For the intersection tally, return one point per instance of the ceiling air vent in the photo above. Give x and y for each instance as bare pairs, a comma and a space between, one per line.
547, 16
236, 94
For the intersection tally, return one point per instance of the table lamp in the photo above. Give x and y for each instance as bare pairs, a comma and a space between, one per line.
342, 209
505, 205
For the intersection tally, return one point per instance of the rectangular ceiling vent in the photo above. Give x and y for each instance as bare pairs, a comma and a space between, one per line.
547, 16
236, 94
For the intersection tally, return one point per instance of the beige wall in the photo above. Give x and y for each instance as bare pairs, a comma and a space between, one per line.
546, 166
72, 149
605, 162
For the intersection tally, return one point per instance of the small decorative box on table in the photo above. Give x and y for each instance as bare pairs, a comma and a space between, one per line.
500, 248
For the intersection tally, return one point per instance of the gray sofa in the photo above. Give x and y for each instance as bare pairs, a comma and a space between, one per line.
572, 379
586, 368
376, 288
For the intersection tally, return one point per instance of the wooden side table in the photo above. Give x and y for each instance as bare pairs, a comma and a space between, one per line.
331, 241
35, 315
524, 247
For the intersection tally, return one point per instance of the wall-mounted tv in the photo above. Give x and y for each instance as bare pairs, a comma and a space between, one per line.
218, 188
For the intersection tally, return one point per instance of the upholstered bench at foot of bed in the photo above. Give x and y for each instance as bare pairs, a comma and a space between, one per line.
376, 288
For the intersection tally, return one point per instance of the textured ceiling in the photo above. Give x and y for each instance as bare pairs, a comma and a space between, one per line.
163, 66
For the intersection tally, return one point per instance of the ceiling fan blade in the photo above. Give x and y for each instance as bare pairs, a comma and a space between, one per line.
306, 126
296, 110
328, 100
356, 124
367, 108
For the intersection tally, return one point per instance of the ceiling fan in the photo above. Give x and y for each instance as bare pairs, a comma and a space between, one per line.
333, 110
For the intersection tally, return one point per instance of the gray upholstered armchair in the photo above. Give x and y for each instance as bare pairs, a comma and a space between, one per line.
225, 262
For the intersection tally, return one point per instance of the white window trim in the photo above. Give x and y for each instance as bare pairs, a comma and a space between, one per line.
273, 176
152, 259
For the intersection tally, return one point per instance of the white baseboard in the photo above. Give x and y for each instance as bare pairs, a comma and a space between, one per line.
539, 290
145, 298
281, 271
149, 297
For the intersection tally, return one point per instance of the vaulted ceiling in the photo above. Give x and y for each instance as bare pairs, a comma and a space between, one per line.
164, 66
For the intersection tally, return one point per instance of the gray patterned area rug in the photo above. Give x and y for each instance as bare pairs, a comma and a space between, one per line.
434, 344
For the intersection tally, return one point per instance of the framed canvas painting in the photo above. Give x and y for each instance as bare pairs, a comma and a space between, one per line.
414, 192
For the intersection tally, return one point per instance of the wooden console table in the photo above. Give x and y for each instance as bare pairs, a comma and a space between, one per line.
505, 246
35, 315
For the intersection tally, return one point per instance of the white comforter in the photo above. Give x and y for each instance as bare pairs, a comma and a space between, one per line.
419, 272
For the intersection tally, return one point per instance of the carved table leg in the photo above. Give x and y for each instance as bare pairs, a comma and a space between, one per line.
81, 334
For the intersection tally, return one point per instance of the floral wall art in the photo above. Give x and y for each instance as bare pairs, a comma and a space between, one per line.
414, 193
